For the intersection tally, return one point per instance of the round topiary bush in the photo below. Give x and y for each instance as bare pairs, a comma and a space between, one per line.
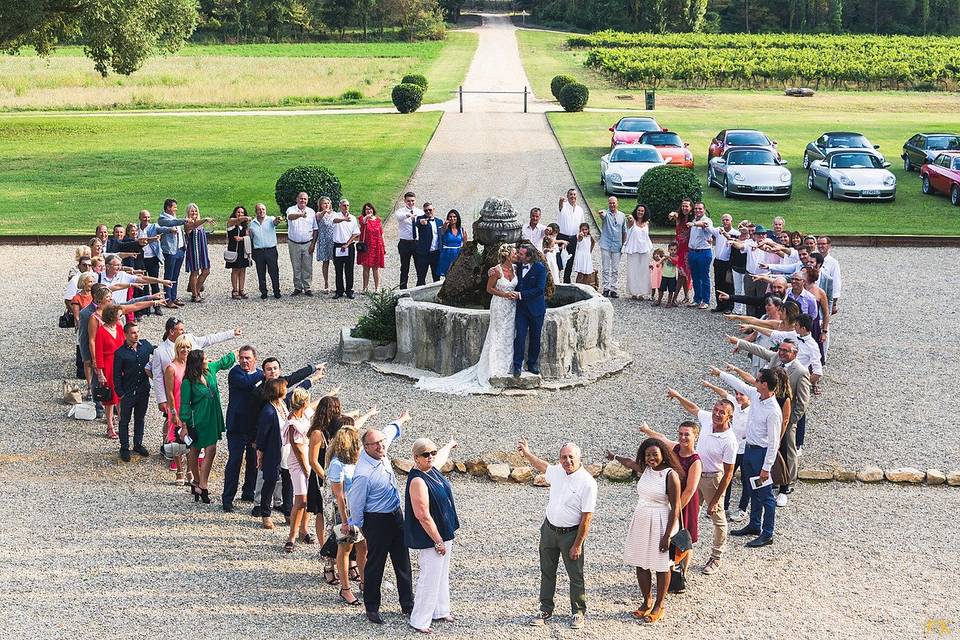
574, 96
662, 188
417, 79
315, 180
407, 97
558, 83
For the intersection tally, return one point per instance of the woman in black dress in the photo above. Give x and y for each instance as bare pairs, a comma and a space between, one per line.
237, 245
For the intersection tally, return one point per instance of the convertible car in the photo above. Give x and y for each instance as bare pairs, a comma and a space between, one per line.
853, 175
671, 147
750, 171
622, 168
819, 148
629, 130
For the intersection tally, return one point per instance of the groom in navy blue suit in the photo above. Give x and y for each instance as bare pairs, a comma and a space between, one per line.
531, 308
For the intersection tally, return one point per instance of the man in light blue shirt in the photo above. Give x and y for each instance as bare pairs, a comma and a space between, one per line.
700, 255
263, 235
152, 256
613, 232
173, 246
374, 500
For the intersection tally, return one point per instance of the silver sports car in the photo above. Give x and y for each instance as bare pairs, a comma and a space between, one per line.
622, 168
833, 141
750, 171
853, 175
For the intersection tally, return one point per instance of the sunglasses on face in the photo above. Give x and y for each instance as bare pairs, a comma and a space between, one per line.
428, 454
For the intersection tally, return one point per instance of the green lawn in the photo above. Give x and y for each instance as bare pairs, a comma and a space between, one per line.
64, 175
256, 75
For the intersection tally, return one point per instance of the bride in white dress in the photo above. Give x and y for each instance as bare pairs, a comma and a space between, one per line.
496, 358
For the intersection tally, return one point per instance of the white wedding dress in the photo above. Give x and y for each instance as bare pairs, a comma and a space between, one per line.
496, 357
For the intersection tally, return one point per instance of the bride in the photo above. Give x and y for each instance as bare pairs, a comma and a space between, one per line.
496, 358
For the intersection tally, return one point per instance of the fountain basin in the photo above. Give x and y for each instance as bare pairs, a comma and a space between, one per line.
577, 340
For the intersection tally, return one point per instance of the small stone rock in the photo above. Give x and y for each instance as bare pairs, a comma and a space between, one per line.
845, 475
935, 477
460, 467
617, 472
512, 458
521, 475
499, 472
818, 475
476, 467
403, 465
525, 381
447, 467
904, 475
540, 480
594, 469
953, 478
870, 474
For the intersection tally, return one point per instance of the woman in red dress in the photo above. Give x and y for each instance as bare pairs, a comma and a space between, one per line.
682, 232
371, 258
108, 340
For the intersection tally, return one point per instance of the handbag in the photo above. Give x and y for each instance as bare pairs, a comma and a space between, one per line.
229, 256
71, 393
67, 321
83, 411
362, 244
102, 393
680, 545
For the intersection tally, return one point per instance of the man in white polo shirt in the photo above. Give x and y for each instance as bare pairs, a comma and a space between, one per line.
534, 231
301, 239
406, 245
346, 233
573, 498
569, 217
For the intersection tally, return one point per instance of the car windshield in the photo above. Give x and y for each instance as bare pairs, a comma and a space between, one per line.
746, 139
634, 155
848, 141
943, 143
662, 139
759, 157
634, 124
856, 161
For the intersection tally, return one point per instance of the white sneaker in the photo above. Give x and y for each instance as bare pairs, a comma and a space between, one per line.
576, 622
540, 619
781, 500
737, 515
799, 451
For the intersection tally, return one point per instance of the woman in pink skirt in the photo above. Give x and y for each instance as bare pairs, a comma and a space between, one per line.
655, 520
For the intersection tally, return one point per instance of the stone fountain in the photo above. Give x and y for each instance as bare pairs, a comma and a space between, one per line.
441, 326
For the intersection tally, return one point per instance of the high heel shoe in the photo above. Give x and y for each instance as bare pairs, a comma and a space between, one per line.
195, 492
204, 496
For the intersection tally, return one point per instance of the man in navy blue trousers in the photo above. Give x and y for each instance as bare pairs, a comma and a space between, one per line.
531, 309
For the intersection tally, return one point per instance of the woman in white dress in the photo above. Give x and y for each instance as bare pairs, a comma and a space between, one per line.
496, 358
655, 520
638, 247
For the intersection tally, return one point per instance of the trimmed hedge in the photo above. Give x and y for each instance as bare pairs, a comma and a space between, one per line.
662, 188
558, 83
574, 96
417, 79
407, 97
317, 181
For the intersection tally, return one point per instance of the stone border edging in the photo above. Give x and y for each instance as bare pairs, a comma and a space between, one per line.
503, 472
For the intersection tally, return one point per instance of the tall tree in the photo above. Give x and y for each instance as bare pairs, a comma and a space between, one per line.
117, 35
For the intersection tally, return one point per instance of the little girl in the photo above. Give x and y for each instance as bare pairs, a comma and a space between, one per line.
583, 258
294, 457
551, 247
656, 272
668, 280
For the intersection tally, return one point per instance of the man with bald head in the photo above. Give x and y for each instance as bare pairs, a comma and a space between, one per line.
374, 500
573, 498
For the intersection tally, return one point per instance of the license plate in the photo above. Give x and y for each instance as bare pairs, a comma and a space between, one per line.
764, 188
871, 192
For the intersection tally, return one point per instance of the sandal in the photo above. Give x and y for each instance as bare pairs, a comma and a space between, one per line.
181, 480
243, 295
234, 296
288, 547
643, 611
654, 617
329, 576
353, 603
308, 539
354, 573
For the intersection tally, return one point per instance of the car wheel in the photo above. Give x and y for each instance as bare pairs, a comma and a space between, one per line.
907, 165
925, 185
955, 195
830, 190
710, 178
726, 190
810, 185
603, 183
806, 161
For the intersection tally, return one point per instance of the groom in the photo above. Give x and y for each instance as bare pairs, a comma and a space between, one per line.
531, 308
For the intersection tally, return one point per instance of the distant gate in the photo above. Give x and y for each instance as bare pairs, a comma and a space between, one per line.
525, 93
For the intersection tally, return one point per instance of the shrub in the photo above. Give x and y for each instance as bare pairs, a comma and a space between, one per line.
351, 94
417, 79
558, 83
315, 180
662, 188
379, 321
407, 97
574, 96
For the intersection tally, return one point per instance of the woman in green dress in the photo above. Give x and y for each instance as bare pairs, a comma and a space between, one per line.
201, 415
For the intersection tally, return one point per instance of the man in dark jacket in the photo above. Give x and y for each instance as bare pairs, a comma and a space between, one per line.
426, 252
132, 384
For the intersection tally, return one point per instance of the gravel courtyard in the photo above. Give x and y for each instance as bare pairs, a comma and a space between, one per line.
96, 547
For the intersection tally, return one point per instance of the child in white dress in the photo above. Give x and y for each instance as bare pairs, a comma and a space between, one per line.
583, 258
551, 247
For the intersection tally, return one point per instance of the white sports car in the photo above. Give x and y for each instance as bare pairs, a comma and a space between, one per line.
622, 168
853, 175
750, 171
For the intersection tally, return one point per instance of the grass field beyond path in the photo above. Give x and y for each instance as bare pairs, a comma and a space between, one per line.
65, 175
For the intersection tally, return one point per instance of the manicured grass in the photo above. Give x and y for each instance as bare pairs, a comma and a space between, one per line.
584, 138
257, 75
63, 175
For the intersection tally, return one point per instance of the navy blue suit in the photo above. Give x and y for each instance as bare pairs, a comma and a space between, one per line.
531, 309
423, 255
269, 443
241, 432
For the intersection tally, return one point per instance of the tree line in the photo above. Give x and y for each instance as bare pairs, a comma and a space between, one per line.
912, 17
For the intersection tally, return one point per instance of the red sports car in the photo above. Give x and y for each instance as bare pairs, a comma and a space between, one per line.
740, 138
671, 147
943, 176
629, 130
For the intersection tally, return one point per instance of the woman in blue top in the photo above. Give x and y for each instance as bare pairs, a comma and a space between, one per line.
452, 237
429, 525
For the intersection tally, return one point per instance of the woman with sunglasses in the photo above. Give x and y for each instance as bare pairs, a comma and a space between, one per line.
429, 525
